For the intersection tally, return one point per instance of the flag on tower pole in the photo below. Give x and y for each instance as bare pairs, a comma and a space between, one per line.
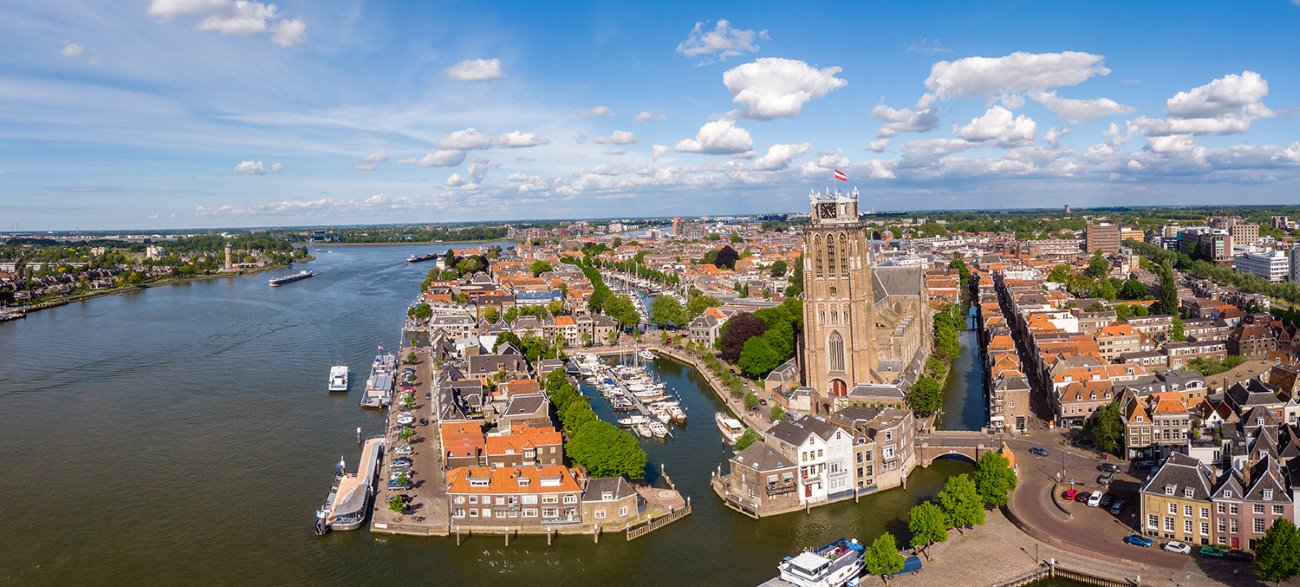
840, 175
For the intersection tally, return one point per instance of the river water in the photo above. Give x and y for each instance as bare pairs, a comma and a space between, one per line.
183, 434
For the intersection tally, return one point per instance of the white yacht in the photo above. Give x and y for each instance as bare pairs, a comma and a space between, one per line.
339, 378
834, 565
646, 355
730, 428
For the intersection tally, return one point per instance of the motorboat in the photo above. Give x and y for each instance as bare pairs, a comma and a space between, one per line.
339, 378
837, 564
731, 428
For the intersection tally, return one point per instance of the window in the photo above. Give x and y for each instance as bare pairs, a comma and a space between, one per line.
835, 350
473, 499
1232, 508
1205, 513
820, 453
1173, 509
1277, 510
473, 512
1257, 508
1259, 525
458, 513
530, 512
1153, 521
1187, 526
1234, 525
622, 512
1223, 526
1169, 524
1205, 528
1221, 508
530, 500
460, 499
600, 514
1189, 492
1227, 494
1187, 511
1169, 490
1268, 495
550, 499
571, 498
500, 513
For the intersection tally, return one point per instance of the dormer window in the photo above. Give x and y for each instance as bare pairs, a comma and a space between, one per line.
1227, 494
1169, 490
1268, 494
1188, 492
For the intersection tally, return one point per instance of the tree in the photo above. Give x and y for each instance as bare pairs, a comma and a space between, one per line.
554, 307
1060, 274
1168, 292
749, 437
778, 269
1277, 555
796, 279
994, 478
411, 357
491, 314
726, 258
758, 358
696, 304
962, 270
736, 332
539, 267
420, 311
507, 338
882, 557
667, 312
1098, 266
926, 396
751, 401
927, 524
1176, 333
1133, 290
776, 414
620, 308
961, 503
1106, 428
397, 503
606, 451
736, 238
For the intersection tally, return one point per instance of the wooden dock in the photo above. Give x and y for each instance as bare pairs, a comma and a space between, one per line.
657, 523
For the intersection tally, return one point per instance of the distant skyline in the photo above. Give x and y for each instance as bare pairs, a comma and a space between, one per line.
221, 113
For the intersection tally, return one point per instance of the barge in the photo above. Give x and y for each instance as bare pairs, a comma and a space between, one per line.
379, 386
299, 276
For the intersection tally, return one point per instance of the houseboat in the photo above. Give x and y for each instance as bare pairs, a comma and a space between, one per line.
835, 565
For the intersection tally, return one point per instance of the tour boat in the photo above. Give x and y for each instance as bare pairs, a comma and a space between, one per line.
642, 430
730, 428
835, 565
338, 378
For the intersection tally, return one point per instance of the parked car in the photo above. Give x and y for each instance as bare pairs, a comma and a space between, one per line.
424, 422
1211, 551
1038, 450
394, 485
405, 419
1094, 499
1239, 556
1106, 500
1117, 508
911, 566
402, 462
1109, 468
1179, 547
1138, 540
403, 449
1105, 478
1070, 494
1082, 497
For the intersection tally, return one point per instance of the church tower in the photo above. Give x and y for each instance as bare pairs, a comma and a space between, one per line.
839, 349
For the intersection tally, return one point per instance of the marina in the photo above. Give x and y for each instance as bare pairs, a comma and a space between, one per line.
383, 377
351, 495
731, 428
631, 388
299, 276
15, 315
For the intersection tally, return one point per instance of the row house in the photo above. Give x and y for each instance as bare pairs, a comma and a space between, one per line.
1206, 329
823, 453
522, 446
883, 445
1155, 425
1156, 327
1246, 503
1116, 340
762, 481
1257, 340
513, 496
1176, 501
1181, 353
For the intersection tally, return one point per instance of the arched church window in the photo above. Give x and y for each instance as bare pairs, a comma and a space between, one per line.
835, 347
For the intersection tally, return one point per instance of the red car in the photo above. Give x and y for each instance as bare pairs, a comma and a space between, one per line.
1070, 494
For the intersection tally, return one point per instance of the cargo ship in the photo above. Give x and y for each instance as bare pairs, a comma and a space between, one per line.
279, 281
424, 257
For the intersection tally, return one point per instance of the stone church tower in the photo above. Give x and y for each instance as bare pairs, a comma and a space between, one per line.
839, 344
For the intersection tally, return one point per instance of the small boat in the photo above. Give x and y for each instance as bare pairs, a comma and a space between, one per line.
731, 428
658, 429
633, 420
339, 378
834, 565
646, 355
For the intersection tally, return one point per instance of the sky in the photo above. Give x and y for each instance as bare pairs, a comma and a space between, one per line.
142, 114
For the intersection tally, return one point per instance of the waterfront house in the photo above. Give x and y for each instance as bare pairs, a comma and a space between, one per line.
513, 497
761, 481
823, 453
514, 366
611, 502
462, 443
523, 445
1176, 501
884, 449
523, 410
704, 330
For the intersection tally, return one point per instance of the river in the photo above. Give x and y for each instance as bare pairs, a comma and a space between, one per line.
183, 434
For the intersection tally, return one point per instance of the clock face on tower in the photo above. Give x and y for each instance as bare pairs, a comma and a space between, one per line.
826, 210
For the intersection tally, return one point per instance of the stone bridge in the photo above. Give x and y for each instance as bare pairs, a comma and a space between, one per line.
954, 443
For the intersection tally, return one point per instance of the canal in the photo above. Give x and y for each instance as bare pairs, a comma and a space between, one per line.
183, 434
965, 405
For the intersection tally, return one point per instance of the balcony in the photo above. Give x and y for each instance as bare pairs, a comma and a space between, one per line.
775, 489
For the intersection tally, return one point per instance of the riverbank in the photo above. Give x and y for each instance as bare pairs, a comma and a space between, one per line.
412, 243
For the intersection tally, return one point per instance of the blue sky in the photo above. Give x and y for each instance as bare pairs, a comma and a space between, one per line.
215, 113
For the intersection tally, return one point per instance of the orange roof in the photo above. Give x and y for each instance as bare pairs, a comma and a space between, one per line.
564, 321
522, 438
716, 313
517, 386
462, 439
1169, 402
1115, 330
544, 479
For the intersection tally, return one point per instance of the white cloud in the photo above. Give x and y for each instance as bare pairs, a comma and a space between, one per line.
519, 140
772, 87
924, 151
250, 168
877, 169
905, 120
721, 42
234, 17
647, 116
614, 151
878, 145
439, 158
1171, 144
1017, 72
779, 156
1000, 125
277, 167
72, 50
1227, 105
659, 151
455, 181
596, 112
618, 137
720, 137
371, 162
1077, 111
1053, 136
469, 138
476, 70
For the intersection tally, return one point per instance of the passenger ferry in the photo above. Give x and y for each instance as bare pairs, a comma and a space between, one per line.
835, 565
379, 386
279, 281
351, 495
339, 378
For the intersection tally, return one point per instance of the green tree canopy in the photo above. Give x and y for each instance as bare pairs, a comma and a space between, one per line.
778, 269
926, 396
1277, 555
619, 307
539, 267
1168, 292
736, 332
749, 437
420, 311
1098, 266
882, 557
606, 451
1060, 274
927, 524
1106, 428
994, 478
667, 312
758, 358
961, 502
697, 303
1176, 333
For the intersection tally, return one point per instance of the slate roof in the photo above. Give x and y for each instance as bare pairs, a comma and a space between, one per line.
896, 281
1181, 471
597, 486
761, 457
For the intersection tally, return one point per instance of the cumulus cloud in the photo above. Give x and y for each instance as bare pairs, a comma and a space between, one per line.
1171, 144
658, 151
439, 158
371, 162
469, 138
455, 181
904, 120
720, 137
1017, 72
234, 17
72, 50
772, 87
779, 156
596, 112
721, 42
647, 116
1077, 111
618, 137
1227, 105
1000, 125
923, 151
520, 140
250, 168
878, 145
476, 70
